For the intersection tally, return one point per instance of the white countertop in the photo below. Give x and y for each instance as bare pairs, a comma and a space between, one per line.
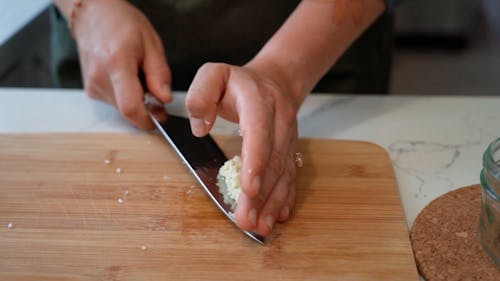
435, 143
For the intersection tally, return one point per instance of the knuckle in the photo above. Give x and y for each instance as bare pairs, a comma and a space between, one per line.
93, 76
289, 113
156, 40
279, 198
268, 100
220, 67
205, 67
92, 81
287, 108
113, 57
287, 116
128, 109
276, 163
195, 105
276, 202
92, 93
114, 60
269, 103
213, 66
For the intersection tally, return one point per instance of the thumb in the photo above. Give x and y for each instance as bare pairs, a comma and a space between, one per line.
204, 94
157, 73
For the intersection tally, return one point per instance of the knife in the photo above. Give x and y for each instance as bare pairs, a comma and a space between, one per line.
202, 156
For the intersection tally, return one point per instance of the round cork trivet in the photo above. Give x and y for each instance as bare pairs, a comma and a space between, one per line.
445, 238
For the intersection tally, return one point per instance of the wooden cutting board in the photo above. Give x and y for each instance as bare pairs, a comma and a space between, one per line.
73, 217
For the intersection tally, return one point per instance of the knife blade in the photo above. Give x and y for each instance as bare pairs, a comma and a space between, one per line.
202, 156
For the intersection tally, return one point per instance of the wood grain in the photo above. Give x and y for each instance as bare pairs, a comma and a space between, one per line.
62, 200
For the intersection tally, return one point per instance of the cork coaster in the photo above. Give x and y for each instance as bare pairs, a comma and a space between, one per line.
445, 238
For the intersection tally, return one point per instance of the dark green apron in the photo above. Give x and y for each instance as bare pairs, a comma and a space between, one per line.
199, 31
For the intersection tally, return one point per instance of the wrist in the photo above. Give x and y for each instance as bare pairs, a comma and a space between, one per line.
72, 11
79, 13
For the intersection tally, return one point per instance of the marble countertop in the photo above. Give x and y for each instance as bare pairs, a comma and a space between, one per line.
435, 143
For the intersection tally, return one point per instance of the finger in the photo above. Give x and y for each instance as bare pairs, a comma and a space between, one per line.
156, 71
245, 214
96, 81
285, 211
129, 93
274, 191
289, 204
280, 173
283, 144
97, 92
270, 212
257, 129
263, 222
277, 206
204, 94
101, 89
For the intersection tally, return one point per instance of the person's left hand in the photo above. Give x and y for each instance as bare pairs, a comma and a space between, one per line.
266, 112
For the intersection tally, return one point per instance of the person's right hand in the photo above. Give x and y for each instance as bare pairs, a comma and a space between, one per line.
116, 42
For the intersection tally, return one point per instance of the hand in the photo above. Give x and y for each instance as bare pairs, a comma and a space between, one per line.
266, 113
116, 42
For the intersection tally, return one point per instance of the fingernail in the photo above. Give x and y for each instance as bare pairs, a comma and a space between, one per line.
256, 184
165, 90
285, 212
159, 113
252, 217
198, 126
270, 221
157, 108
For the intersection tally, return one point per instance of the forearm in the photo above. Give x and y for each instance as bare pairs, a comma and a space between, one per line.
312, 39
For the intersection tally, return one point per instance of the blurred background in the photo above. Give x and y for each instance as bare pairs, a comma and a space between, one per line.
445, 47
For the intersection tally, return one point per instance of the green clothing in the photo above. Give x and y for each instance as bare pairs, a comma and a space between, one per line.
199, 31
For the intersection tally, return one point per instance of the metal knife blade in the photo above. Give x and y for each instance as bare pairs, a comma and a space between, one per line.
203, 157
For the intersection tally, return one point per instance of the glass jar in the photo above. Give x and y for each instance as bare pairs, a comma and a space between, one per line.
489, 221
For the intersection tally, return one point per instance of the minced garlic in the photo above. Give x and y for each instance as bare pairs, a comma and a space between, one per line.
228, 181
